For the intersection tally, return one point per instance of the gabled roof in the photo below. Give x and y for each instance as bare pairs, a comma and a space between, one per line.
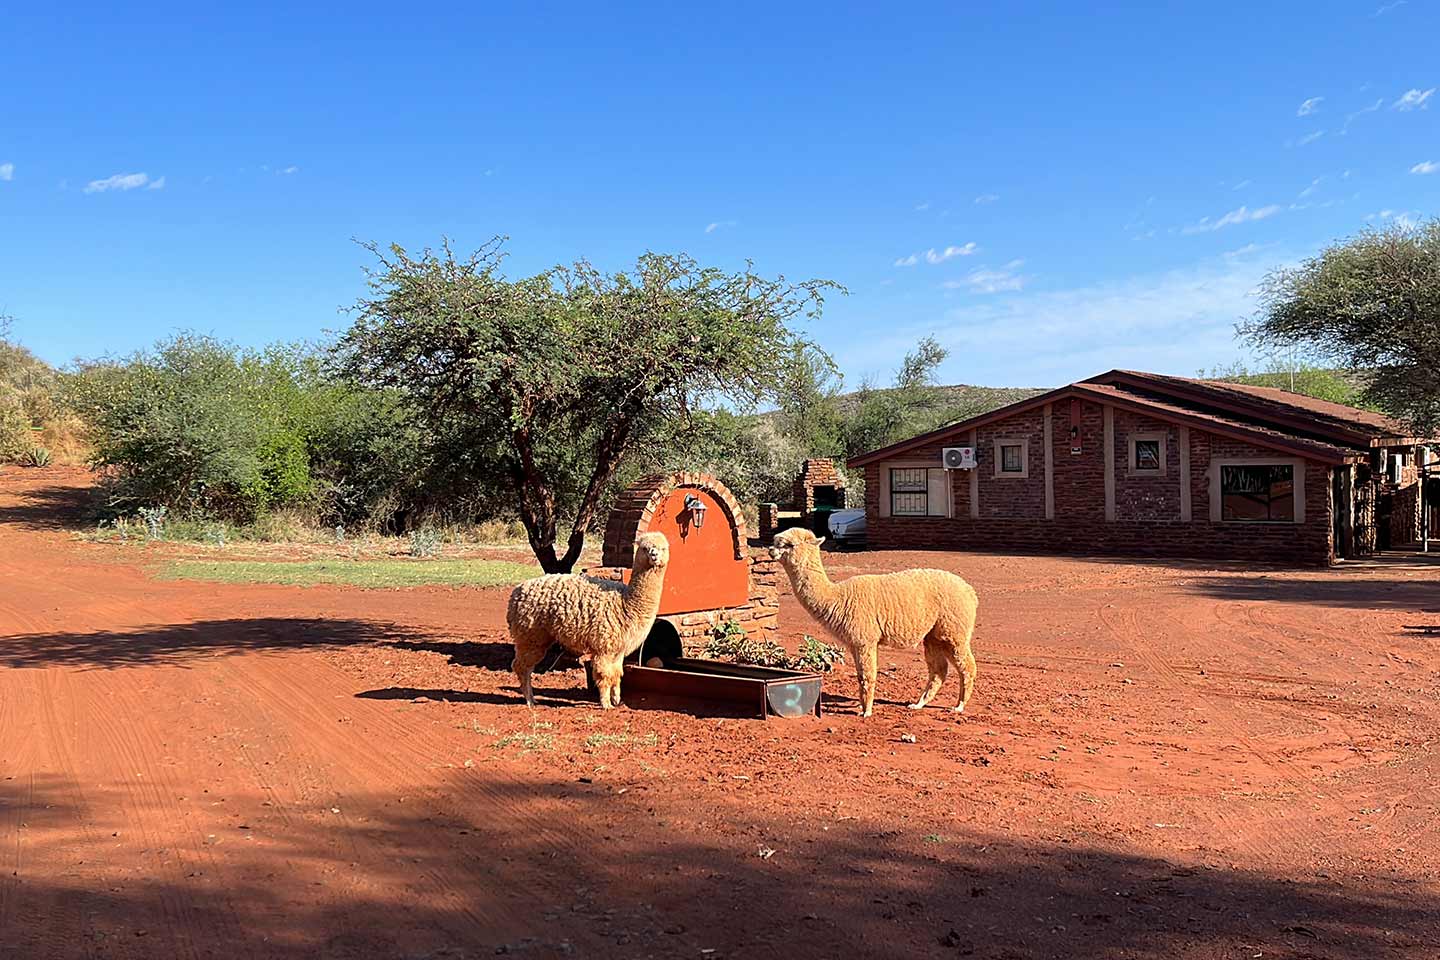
1327, 432
1342, 423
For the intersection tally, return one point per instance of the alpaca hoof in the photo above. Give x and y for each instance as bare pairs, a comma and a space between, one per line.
916, 706
959, 708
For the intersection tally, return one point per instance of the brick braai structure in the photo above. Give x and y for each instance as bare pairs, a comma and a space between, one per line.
1132, 464
713, 574
819, 472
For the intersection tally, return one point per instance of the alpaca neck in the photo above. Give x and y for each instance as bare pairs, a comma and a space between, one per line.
812, 587
642, 599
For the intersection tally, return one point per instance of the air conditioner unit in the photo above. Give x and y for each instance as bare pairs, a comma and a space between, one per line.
958, 458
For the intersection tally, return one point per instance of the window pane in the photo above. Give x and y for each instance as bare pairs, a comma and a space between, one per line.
908, 504
1258, 492
907, 478
1147, 454
1010, 458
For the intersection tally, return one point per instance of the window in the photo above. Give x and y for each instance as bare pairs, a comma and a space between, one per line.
1147, 454
1258, 492
1012, 458
919, 492
909, 492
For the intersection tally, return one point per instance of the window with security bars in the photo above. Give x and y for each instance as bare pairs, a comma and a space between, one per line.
909, 492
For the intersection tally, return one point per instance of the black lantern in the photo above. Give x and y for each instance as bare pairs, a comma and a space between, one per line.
696, 508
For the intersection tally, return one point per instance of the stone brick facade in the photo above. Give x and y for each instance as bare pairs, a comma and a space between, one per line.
1149, 510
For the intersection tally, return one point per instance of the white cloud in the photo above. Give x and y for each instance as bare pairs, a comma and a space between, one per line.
1309, 138
923, 206
1385, 8
124, 181
1242, 184
7, 171
1413, 100
1351, 117
1400, 218
1241, 214
719, 225
1428, 166
937, 256
1004, 279
987, 198
289, 170
1309, 106
1314, 185
1176, 321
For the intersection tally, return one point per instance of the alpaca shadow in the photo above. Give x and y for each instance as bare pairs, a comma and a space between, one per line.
487, 655
543, 696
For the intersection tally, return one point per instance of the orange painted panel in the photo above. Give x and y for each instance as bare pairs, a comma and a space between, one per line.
703, 572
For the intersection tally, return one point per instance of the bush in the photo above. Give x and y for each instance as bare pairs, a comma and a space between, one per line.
37, 457
425, 542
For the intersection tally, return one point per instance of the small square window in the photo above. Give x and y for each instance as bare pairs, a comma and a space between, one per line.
1012, 458
1147, 454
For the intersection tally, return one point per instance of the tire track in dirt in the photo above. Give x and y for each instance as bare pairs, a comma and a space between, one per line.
1276, 838
391, 749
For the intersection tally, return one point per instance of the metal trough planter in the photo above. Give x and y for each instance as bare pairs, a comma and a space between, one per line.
769, 691
762, 692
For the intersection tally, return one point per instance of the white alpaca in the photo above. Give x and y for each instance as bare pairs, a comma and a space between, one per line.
602, 621
904, 609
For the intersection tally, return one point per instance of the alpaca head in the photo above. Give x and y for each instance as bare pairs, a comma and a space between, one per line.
795, 543
652, 551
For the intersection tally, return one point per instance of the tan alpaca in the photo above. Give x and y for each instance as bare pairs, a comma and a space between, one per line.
602, 621
905, 609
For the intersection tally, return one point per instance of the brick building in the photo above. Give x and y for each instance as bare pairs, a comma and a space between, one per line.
1141, 464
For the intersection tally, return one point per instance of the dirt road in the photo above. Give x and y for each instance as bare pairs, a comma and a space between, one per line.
1161, 761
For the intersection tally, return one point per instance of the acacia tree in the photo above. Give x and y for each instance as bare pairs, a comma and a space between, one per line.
545, 384
1370, 302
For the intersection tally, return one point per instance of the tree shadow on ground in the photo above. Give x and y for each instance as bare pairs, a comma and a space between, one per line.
542, 868
57, 507
178, 642
1420, 594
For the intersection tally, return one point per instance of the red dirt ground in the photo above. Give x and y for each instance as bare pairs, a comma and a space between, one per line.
1162, 760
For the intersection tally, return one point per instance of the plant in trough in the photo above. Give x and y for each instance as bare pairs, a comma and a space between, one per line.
817, 656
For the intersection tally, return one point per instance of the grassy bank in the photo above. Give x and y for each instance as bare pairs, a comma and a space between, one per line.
373, 574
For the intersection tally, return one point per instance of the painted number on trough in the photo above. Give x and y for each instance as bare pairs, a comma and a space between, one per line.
791, 699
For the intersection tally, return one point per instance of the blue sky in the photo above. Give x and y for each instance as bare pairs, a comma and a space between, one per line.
1049, 189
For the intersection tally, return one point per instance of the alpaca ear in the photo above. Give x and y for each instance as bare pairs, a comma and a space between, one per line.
820, 542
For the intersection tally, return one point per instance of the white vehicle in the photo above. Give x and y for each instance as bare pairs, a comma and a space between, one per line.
847, 526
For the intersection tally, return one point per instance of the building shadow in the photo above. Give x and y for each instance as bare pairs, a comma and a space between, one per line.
1418, 594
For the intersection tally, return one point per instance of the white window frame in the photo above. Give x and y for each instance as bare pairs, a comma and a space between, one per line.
947, 502
1024, 444
1217, 491
1132, 467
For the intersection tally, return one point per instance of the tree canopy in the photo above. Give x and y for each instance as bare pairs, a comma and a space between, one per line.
547, 383
1371, 302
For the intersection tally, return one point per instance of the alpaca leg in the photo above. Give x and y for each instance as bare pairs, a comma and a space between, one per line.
967, 678
528, 654
938, 660
607, 677
866, 666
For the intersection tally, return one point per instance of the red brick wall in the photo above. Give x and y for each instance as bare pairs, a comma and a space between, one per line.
1147, 510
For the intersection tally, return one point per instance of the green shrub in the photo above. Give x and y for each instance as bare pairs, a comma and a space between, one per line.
37, 457
817, 656
425, 542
